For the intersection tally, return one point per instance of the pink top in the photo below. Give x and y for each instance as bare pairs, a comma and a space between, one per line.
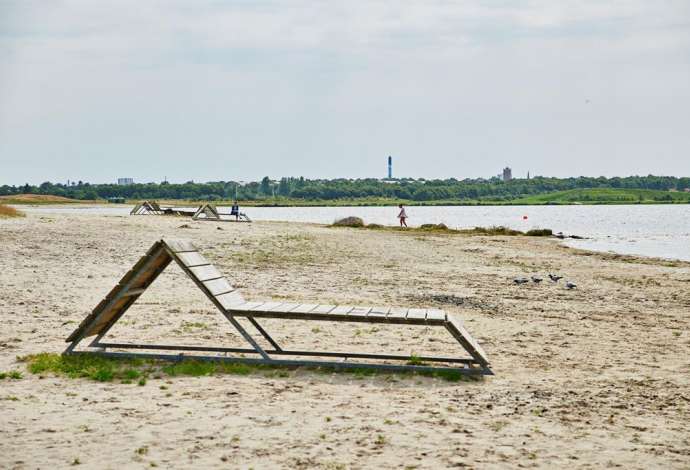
403, 214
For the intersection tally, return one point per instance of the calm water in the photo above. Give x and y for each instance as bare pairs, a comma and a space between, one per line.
650, 230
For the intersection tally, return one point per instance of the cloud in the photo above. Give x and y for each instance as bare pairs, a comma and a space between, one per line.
292, 81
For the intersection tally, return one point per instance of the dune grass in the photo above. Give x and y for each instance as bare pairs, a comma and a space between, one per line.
443, 229
102, 369
8, 212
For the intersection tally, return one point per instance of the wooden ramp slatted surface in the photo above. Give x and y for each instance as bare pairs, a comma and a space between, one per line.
226, 297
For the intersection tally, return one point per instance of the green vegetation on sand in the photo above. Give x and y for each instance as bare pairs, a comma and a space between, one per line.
104, 369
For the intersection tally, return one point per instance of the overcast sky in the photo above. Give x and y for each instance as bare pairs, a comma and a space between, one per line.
207, 90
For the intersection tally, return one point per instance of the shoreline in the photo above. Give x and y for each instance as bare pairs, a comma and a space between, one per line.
605, 248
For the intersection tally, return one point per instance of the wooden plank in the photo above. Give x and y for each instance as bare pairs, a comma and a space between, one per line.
248, 306
468, 342
379, 312
435, 316
268, 306
359, 311
284, 307
341, 310
204, 273
133, 292
192, 259
107, 315
230, 300
218, 286
179, 245
304, 308
416, 314
323, 309
397, 313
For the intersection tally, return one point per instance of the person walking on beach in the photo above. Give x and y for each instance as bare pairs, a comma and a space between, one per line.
402, 216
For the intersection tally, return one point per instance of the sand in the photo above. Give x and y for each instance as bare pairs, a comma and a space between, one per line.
594, 377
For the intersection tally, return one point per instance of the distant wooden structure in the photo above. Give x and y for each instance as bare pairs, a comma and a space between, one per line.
211, 213
232, 306
153, 208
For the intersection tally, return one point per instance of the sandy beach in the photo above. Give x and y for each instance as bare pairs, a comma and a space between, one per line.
594, 377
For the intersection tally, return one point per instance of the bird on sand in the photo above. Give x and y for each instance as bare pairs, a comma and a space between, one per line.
536, 279
520, 280
570, 285
555, 278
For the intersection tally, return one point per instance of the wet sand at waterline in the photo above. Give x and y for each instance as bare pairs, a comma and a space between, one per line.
593, 377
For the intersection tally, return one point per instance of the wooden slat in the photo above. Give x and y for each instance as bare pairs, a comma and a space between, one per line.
323, 309
359, 311
249, 306
379, 312
218, 286
304, 308
179, 245
132, 292
468, 342
283, 307
204, 273
268, 306
397, 313
230, 300
192, 259
434, 315
341, 310
416, 314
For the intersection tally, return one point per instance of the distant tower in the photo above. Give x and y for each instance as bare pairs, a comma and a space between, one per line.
507, 174
390, 167
528, 175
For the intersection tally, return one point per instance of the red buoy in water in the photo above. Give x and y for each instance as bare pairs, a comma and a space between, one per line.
524, 217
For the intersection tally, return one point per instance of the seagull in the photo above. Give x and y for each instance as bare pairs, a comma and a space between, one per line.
520, 280
536, 279
570, 285
555, 278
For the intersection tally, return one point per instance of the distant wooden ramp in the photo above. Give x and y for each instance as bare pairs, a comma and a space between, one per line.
153, 208
210, 212
232, 305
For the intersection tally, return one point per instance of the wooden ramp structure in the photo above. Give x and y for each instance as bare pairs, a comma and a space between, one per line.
211, 213
233, 306
154, 208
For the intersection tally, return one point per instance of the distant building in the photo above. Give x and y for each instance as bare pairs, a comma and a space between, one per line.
507, 174
390, 167
125, 181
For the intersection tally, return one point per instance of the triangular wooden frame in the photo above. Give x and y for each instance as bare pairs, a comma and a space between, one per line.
232, 305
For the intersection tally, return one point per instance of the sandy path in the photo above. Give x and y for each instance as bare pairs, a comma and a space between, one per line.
587, 378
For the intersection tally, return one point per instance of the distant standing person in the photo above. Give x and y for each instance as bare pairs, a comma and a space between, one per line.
402, 216
235, 210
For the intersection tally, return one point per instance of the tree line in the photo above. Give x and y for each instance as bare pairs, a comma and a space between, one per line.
492, 189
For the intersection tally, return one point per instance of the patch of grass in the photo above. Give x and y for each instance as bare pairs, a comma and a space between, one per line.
351, 221
415, 360
493, 230
131, 374
127, 370
191, 368
13, 374
539, 232
7, 212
